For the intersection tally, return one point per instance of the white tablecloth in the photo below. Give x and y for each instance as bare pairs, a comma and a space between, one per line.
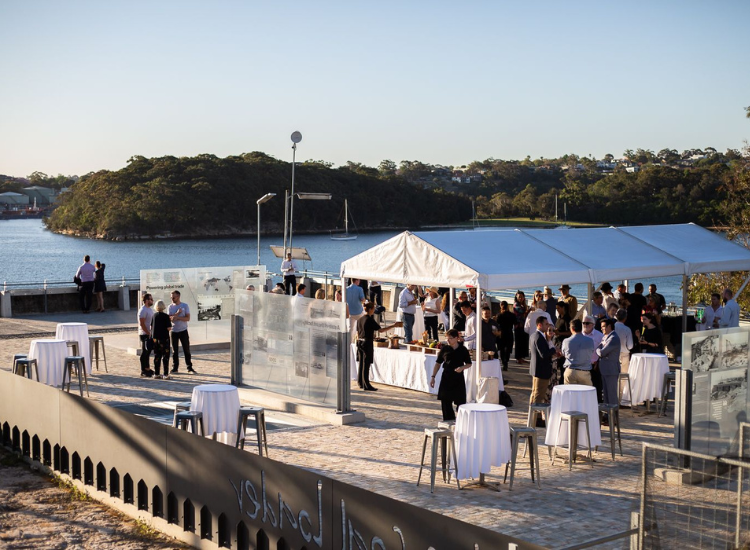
80, 333
50, 358
220, 405
482, 438
573, 397
647, 372
413, 369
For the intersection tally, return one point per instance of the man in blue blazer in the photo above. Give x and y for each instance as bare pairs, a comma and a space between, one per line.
542, 352
609, 360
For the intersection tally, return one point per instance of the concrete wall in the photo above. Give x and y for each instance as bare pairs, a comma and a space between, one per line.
58, 300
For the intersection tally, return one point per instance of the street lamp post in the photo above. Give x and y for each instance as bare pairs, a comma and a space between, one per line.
265, 198
296, 138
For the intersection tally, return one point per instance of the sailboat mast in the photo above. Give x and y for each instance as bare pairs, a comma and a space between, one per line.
346, 216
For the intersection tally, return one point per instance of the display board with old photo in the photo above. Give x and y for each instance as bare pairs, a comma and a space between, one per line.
719, 360
207, 291
290, 344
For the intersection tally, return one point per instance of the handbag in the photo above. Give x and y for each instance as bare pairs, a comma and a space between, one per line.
76, 280
505, 399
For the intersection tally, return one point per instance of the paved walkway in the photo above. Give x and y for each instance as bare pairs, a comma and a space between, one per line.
382, 454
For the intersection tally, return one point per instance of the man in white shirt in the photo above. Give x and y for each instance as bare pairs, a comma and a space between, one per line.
289, 269
86, 273
714, 312
609, 297
301, 290
470, 330
621, 291
626, 339
407, 303
529, 325
731, 316
145, 314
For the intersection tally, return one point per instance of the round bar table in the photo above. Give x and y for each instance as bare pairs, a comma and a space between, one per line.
573, 397
220, 405
80, 333
647, 372
50, 357
482, 438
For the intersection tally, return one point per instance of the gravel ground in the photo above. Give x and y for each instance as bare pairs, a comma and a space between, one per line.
41, 512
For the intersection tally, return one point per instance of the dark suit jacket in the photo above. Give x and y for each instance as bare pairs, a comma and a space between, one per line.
609, 353
541, 356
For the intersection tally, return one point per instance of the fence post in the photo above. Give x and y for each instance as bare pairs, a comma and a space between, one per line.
683, 409
642, 513
236, 350
343, 397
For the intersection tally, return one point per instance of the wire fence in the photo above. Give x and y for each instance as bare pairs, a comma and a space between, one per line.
690, 500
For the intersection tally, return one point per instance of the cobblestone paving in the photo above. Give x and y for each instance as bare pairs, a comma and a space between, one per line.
382, 454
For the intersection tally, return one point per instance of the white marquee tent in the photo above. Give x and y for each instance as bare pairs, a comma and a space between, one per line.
507, 259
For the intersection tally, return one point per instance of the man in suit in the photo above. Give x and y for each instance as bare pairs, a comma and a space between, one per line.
609, 361
577, 351
542, 353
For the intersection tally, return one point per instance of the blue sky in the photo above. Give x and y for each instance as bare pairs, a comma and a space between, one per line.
86, 85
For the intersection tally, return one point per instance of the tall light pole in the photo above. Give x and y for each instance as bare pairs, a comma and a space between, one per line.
265, 198
296, 138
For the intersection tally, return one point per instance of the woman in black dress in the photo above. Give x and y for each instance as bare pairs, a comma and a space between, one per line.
651, 337
160, 327
367, 326
455, 359
100, 287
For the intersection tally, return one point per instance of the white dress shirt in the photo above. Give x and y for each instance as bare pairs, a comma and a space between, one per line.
404, 298
709, 315
731, 316
470, 332
529, 326
626, 337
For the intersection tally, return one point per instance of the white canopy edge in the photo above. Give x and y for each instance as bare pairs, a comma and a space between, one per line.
501, 259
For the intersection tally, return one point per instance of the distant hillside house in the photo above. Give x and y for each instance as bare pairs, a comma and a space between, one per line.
44, 196
11, 198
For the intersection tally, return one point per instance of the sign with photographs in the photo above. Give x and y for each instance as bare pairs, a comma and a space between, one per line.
290, 344
719, 360
208, 293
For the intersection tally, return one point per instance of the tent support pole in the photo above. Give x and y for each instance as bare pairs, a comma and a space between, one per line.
478, 352
684, 302
739, 290
590, 298
451, 299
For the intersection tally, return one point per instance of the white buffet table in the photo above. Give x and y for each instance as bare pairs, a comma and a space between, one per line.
220, 405
646, 372
482, 438
573, 397
413, 369
50, 358
80, 333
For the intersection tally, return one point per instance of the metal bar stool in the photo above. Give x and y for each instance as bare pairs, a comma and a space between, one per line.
669, 379
535, 409
613, 412
73, 347
94, 343
624, 377
436, 434
573, 418
16, 357
529, 434
23, 367
445, 425
75, 362
183, 406
193, 418
260, 427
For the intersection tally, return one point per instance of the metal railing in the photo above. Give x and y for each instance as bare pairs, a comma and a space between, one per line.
46, 283
692, 500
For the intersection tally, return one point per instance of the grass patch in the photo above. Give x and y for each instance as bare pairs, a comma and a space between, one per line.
145, 530
74, 492
11, 459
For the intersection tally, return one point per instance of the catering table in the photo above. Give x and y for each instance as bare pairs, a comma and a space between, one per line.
50, 358
80, 333
482, 438
646, 372
413, 369
573, 397
220, 405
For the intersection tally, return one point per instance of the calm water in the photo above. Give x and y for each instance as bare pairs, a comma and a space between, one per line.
30, 253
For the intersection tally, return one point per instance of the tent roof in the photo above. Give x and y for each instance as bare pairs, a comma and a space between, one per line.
497, 259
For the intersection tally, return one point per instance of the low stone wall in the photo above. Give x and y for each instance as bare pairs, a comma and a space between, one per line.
30, 301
